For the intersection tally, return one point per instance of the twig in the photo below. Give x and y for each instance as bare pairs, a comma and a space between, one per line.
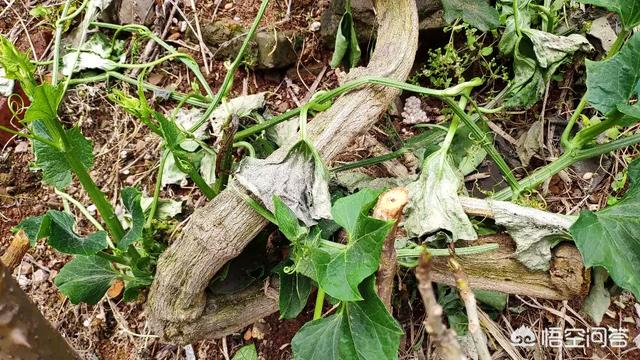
16, 250
443, 339
389, 208
469, 300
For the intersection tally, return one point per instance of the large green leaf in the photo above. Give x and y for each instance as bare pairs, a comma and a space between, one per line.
85, 279
44, 103
359, 330
131, 199
64, 239
340, 270
55, 168
611, 237
628, 10
477, 13
294, 292
612, 83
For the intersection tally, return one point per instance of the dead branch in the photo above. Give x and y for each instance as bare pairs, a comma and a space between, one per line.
469, 301
389, 208
499, 271
443, 339
16, 250
179, 308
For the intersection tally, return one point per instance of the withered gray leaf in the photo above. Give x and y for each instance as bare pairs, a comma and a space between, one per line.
298, 177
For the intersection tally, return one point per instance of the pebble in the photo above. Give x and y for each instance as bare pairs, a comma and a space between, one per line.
23, 281
228, 6
22, 147
130, 180
183, 26
92, 209
236, 18
26, 268
39, 277
315, 26
587, 176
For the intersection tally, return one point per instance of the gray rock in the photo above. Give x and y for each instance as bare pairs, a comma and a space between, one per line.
266, 51
39, 276
429, 13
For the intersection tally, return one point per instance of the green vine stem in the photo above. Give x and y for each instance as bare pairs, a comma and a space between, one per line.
58, 39
317, 310
158, 187
564, 139
228, 79
567, 159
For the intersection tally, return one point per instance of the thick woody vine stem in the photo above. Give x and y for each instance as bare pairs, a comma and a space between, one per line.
180, 309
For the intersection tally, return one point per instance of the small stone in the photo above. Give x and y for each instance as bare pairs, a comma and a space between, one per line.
92, 209
247, 335
593, 207
130, 180
228, 6
22, 147
183, 26
23, 281
587, 176
315, 26
236, 18
39, 277
26, 268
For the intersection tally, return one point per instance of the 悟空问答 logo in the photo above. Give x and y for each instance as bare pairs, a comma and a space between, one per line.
523, 337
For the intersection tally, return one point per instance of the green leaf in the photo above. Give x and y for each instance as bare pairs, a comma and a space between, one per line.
53, 162
85, 279
17, 66
477, 13
35, 227
359, 330
628, 10
287, 221
294, 293
44, 103
131, 199
64, 239
132, 287
613, 82
339, 271
247, 352
611, 237
346, 48
349, 210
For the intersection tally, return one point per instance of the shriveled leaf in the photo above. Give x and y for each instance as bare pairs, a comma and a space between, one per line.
208, 168
55, 168
6, 84
610, 237
298, 177
76, 62
284, 132
536, 60
628, 10
131, 200
534, 231
86, 279
434, 204
339, 271
35, 227
295, 289
167, 208
598, 301
529, 143
359, 330
477, 13
615, 81
171, 174
240, 106
247, 352
187, 118
63, 238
